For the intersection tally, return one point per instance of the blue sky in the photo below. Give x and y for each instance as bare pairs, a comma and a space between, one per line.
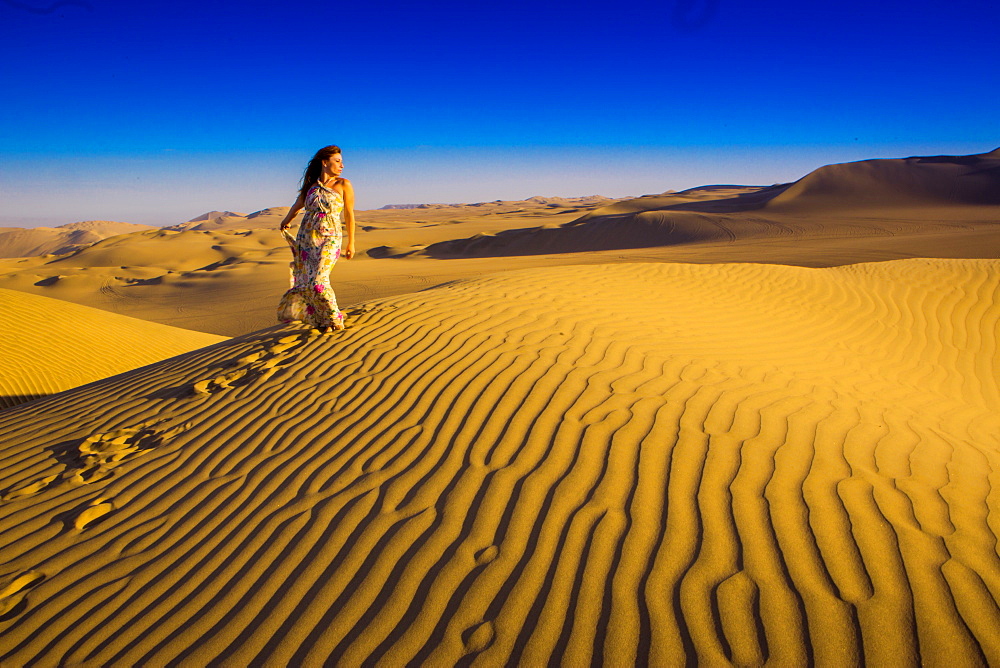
155, 112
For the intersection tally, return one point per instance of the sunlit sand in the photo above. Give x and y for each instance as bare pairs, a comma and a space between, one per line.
731, 426
50, 345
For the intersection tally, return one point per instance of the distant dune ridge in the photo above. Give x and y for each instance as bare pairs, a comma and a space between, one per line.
906, 182
223, 277
861, 198
916, 188
215, 214
49, 345
657, 463
535, 199
865, 198
213, 220
19, 242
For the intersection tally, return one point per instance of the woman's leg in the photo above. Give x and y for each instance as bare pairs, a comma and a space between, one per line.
294, 304
330, 315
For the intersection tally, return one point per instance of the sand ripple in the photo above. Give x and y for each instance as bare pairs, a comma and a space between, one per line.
635, 463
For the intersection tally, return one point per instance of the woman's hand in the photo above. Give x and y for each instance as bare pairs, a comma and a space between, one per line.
349, 250
286, 222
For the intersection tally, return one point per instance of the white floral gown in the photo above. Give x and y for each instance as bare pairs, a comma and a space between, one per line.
315, 249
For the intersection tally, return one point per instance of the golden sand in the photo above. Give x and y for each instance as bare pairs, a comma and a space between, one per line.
50, 345
546, 436
21, 242
222, 272
628, 463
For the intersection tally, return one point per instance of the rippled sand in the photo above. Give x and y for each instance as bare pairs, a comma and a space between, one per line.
721, 463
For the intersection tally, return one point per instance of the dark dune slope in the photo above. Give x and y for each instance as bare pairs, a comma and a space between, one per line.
905, 182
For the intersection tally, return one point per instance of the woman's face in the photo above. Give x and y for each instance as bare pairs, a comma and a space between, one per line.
334, 164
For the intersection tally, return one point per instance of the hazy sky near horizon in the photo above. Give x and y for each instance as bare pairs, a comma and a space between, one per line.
155, 112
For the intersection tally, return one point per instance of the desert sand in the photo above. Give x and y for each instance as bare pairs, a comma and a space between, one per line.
27, 242
744, 425
222, 279
50, 345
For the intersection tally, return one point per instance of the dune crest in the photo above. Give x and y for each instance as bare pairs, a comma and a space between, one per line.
21, 242
883, 197
215, 214
632, 463
50, 345
892, 183
224, 279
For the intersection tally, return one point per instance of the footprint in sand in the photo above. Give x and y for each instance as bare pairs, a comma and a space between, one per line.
94, 458
478, 638
30, 489
258, 365
486, 555
12, 600
97, 508
107, 450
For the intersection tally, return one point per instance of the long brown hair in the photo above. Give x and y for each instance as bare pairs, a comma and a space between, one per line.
315, 168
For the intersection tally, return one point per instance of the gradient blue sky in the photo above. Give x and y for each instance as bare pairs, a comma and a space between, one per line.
155, 112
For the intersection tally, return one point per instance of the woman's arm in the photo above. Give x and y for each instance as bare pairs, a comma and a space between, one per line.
287, 221
349, 218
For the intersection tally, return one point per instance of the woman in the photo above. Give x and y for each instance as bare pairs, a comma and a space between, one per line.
316, 247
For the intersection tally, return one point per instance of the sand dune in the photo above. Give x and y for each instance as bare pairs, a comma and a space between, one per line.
409, 215
662, 463
868, 198
212, 215
225, 280
228, 220
20, 242
182, 279
50, 345
907, 182
168, 250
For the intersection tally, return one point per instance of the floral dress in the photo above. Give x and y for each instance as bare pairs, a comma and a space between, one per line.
315, 249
